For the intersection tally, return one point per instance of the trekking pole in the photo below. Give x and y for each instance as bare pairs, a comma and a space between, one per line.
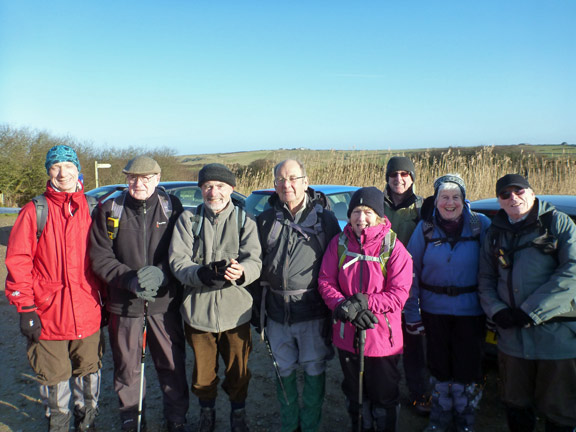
267, 341
361, 345
142, 362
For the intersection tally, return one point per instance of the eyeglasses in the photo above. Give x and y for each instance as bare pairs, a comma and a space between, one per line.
144, 179
508, 193
399, 173
291, 179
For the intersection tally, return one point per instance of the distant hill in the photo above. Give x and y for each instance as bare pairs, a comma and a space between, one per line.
246, 157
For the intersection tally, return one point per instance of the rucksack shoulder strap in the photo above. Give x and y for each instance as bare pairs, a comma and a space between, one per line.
41, 205
165, 201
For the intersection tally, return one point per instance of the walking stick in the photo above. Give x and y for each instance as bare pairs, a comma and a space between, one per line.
267, 341
142, 362
362, 343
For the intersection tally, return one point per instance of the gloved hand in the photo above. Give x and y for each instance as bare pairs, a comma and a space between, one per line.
415, 328
220, 267
521, 318
504, 319
210, 278
30, 325
365, 320
145, 293
348, 309
151, 276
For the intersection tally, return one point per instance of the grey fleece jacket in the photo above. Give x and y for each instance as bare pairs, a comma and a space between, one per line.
207, 308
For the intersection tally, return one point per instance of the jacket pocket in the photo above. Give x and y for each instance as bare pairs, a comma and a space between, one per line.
44, 291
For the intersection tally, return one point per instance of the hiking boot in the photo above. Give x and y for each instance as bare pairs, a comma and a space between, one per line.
238, 421
59, 421
207, 421
422, 405
84, 419
131, 425
436, 428
178, 427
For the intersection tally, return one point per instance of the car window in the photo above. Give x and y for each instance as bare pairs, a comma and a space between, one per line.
339, 204
189, 196
256, 203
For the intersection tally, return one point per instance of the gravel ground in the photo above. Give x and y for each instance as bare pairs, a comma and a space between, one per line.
21, 409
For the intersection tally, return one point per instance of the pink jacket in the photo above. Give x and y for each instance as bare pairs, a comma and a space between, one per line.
386, 297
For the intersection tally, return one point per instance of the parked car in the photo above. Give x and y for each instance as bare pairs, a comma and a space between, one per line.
102, 192
188, 192
490, 206
338, 198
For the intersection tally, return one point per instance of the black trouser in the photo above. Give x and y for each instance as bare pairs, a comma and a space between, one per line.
455, 346
167, 348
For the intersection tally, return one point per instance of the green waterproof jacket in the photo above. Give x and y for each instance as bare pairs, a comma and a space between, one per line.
540, 282
403, 217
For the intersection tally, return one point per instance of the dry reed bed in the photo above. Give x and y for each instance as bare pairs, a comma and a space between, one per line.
479, 171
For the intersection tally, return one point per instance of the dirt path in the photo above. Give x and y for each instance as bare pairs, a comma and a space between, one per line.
21, 409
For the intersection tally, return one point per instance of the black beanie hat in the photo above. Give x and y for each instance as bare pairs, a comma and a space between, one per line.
370, 197
400, 163
450, 178
216, 172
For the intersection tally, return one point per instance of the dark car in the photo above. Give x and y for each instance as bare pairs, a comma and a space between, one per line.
188, 192
338, 198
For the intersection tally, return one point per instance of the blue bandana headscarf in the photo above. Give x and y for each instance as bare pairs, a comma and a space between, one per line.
61, 153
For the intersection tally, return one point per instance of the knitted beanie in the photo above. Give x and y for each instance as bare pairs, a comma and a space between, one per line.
450, 178
370, 197
400, 163
61, 153
216, 172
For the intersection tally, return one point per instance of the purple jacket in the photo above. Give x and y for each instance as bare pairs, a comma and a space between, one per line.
386, 296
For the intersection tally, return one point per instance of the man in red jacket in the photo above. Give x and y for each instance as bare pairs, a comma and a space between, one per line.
57, 295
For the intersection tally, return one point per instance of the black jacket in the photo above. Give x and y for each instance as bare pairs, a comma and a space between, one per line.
143, 239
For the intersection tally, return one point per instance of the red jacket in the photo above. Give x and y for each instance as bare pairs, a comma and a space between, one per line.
53, 274
386, 297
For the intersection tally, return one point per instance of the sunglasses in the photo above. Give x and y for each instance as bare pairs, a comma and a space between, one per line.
399, 173
507, 194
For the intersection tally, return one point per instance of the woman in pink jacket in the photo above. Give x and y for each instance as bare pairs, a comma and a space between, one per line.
365, 279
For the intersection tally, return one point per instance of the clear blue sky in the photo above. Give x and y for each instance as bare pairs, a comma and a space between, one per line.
221, 76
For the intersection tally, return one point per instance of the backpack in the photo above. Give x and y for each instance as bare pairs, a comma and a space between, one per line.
385, 251
428, 231
198, 220
113, 221
546, 242
41, 205
307, 227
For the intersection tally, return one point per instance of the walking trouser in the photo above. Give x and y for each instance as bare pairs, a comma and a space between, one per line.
234, 347
167, 348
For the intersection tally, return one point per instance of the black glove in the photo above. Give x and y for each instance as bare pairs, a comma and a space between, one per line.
151, 276
504, 319
210, 278
147, 293
219, 267
30, 325
522, 318
348, 309
365, 320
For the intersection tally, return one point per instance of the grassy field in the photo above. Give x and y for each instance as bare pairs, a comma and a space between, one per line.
550, 168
